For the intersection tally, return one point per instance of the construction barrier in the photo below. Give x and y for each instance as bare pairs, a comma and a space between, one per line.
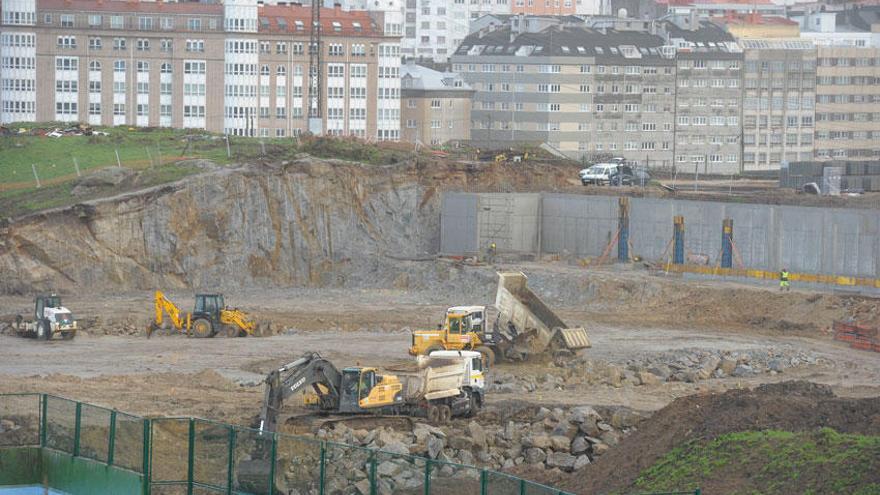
768, 275
858, 336
80, 448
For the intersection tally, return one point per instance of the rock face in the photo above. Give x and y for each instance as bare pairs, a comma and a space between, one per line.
252, 226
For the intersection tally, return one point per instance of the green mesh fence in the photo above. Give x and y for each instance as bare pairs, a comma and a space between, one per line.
252, 461
128, 442
454, 479
400, 474
346, 468
211, 451
20, 420
297, 464
170, 450
94, 432
185, 456
60, 423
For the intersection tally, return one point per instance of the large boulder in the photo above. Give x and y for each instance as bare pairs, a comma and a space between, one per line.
561, 460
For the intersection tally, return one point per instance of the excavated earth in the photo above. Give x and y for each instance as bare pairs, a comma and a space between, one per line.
342, 258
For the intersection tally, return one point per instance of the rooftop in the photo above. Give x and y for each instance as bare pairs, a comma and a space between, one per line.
415, 76
564, 42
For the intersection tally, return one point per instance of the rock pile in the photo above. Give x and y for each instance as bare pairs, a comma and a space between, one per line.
686, 365
565, 440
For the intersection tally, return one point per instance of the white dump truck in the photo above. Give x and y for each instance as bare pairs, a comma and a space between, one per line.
49, 318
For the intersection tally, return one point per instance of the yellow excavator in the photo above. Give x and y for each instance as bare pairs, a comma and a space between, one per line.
209, 317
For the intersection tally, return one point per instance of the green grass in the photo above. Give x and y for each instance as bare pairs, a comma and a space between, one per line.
771, 462
54, 157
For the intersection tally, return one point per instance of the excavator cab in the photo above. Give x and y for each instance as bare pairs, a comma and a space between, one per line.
363, 388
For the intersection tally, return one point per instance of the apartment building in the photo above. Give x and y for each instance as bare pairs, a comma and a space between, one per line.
708, 103
778, 102
588, 93
847, 103
435, 106
238, 68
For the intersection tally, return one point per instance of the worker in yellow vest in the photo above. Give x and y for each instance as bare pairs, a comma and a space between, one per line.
783, 280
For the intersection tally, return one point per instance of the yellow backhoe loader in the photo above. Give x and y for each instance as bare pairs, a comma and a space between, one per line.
209, 317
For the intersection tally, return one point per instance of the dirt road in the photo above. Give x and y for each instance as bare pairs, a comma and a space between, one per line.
221, 378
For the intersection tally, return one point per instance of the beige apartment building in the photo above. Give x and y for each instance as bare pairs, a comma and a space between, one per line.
239, 68
435, 106
847, 103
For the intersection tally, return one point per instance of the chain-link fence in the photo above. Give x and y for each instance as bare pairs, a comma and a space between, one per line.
186, 456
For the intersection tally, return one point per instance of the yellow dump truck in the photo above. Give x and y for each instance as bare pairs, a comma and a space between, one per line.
519, 326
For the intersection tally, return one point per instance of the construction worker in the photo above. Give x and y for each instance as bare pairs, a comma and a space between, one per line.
783, 280
490, 253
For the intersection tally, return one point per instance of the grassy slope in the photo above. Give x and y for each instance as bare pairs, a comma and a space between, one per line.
139, 149
771, 462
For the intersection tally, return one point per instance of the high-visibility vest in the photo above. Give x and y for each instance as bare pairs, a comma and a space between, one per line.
783, 276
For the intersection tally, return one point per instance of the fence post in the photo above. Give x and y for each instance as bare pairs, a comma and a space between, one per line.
230, 468
76, 166
522, 487
484, 482
43, 422
148, 453
273, 454
322, 472
191, 456
111, 445
77, 428
428, 477
36, 177
373, 489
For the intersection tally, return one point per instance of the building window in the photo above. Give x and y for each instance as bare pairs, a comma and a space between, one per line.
66, 20
195, 45
116, 22
145, 23
95, 43
143, 45
66, 42
194, 24
119, 43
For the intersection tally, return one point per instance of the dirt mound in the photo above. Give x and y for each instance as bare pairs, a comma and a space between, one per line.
787, 406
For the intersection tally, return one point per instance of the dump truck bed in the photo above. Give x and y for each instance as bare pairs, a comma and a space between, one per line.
517, 304
438, 379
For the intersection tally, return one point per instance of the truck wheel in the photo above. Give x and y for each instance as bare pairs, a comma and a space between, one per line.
233, 331
202, 328
445, 414
433, 414
473, 405
488, 356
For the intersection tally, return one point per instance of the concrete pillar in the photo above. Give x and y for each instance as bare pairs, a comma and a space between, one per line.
727, 243
678, 240
623, 229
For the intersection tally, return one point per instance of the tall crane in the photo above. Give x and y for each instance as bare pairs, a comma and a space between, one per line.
316, 79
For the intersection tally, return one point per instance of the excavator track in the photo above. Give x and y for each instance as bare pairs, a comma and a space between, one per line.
309, 422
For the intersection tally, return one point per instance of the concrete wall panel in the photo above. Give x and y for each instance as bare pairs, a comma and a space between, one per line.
803, 239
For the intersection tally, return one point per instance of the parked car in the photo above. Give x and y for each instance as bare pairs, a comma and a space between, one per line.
599, 174
625, 175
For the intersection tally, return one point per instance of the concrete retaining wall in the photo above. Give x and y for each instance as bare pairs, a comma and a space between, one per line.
831, 241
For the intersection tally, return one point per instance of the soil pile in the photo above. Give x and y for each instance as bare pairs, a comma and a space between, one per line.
788, 406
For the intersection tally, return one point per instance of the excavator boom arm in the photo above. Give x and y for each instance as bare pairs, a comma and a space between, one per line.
164, 305
309, 370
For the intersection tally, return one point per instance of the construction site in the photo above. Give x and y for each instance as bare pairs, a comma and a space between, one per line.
429, 324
